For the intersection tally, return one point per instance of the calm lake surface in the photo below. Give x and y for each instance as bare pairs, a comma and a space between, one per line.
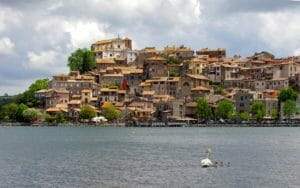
148, 157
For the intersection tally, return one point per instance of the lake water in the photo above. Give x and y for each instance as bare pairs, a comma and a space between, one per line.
148, 157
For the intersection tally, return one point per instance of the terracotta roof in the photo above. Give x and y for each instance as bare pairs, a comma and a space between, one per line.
119, 58
105, 61
200, 88
86, 90
156, 58
191, 104
74, 102
59, 91
200, 77
108, 89
75, 96
42, 91
119, 104
150, 50
106, 104
84, 77
113, 75
145, 84
55, 109
148, 93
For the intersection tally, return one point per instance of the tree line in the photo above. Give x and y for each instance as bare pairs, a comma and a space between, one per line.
225, 108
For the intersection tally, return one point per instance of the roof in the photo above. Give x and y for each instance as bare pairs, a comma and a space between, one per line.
113, 75
145, 84
59, 91
176, 49
75, 96
163, 79
110, 40
156, 58
200, 88
105, 61
119, 58
212, 50
61, 75
86, 90
106, 104
191, 104
84, 77
74, 102
108, 89
200, 77
42, 91
55, 109
148, 93
150, 50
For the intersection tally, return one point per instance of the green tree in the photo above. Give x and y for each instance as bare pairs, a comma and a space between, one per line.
287, 94
245, 116
28, 98
289, 108
8, 112
274, 113
49, 119
60, 117
219, 90
174, 73
87, 112
203, 110
19, 113
224, 109
111, 113
7, 100
171, 60
258, 110
31, 114
81, 60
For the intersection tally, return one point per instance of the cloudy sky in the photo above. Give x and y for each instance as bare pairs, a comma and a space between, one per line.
37, 36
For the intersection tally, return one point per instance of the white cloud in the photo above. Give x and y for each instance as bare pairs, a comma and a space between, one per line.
280, 30
6, 46
55, 6
44, 59
297, 52
9, 17
49, 62
84, 33
80, 33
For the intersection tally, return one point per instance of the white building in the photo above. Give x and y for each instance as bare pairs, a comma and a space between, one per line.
115, 48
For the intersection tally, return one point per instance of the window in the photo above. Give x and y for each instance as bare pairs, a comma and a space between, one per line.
119, 46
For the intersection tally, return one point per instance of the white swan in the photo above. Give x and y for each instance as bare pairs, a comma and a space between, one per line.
207, 162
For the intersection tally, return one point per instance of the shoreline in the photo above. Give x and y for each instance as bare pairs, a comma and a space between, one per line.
149, 125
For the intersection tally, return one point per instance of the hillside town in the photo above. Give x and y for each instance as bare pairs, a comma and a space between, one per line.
164, 85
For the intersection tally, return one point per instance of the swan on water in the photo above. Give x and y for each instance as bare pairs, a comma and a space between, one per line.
207, 162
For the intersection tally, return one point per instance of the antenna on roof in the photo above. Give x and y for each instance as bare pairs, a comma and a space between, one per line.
118, 36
